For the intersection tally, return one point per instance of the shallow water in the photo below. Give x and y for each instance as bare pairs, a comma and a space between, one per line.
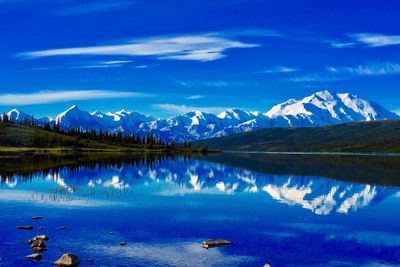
285, 210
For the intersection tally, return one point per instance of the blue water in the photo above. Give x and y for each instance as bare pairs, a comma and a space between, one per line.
165, 211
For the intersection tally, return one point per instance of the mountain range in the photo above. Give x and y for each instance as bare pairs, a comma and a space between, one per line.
319, 109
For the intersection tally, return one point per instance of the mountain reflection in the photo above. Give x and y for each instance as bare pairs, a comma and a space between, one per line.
120, 180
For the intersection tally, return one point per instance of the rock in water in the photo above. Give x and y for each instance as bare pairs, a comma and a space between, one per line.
122, 243
267, 265
38, 249
35, 256
37, 217
25, 227
38, 243
68, 260
62, 228
43, 237
210, 243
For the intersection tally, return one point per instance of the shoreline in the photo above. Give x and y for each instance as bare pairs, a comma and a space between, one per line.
371, 154
60, 151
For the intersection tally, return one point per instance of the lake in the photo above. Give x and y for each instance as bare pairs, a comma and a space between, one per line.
284, 210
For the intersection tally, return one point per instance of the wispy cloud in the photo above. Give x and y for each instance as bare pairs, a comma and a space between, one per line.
317, 77
339, 44
45, 97
376, 39
174, 109
196, 47
143, 67
332, 74
215, 83
94, 7
279, 69
384, 68
194, 97
101, 64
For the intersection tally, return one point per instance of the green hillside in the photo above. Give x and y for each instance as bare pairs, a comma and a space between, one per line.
375, 137
20, 139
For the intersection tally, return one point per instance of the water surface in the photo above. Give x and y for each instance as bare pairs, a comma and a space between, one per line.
285, 210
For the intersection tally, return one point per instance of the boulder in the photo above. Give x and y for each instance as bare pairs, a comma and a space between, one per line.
62, 228
210, 243
37, 217
25, 227
35, 256
122, 243
68, 260
38, 243
267, 265
43, 237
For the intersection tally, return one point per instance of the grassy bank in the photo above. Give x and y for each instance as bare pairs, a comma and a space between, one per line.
20, 140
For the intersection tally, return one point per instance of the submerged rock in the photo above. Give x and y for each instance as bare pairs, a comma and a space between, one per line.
62, 228
37, 217
68, 260
25, 227
210, 243
122, 243
267, 265
35, 256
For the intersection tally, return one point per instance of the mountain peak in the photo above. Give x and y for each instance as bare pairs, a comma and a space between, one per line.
74, 107
325, 94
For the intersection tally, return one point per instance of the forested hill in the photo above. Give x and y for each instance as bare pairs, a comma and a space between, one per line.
374, 136
14, 137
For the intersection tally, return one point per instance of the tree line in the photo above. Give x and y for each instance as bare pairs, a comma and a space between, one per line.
104, 136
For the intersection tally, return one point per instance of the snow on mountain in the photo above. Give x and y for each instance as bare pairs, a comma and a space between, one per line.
20, 116
321, 108
76, 118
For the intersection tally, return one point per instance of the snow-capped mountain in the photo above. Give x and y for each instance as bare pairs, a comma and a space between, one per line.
324, 108
321, 108
17, 115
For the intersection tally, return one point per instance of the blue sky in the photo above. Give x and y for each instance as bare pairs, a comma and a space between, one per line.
167, 57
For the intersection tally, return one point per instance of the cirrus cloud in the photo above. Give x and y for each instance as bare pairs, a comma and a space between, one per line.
376, 39
195, 47
46, 97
